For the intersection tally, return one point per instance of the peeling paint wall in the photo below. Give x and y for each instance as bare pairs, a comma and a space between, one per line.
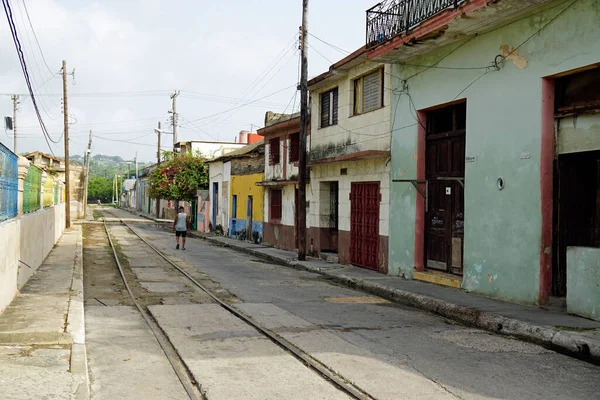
372, 170
503, 139
353, 133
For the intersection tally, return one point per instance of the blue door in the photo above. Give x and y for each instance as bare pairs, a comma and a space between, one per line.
233, 215
215, 205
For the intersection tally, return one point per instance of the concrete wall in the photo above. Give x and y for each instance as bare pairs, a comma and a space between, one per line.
9, 260
369, 170
503, 134
282, 234
212, 150
28, 238
583, 281
285, 169
244, 186
368, 131
220, 173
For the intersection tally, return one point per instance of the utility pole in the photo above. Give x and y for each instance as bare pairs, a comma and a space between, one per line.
87, 174
15, 99
158, 165
174, 118
303, 128
136, 165
66, 139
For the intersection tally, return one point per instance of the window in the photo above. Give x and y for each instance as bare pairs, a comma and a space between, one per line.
329, 108
368, 93
274, 151
275, 205
578, 92
294, 147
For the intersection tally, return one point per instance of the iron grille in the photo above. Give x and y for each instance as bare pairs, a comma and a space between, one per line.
333, 206
9, 183
391, 18
32, 187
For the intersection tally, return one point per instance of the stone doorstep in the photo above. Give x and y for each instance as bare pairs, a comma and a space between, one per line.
573, 344
438, 278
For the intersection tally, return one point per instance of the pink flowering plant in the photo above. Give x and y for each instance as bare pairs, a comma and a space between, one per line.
179, 178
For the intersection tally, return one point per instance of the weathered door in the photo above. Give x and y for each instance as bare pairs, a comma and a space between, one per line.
215, 205
249, 208
194, 215
365, 199
445, 171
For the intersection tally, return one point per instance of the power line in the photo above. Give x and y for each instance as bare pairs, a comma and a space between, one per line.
241, 106
330, 45
18, 48
36, 39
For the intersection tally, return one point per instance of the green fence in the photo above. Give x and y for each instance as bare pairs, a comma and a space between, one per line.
49, 192
32, 187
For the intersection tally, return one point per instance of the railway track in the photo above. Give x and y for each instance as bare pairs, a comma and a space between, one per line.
193, 388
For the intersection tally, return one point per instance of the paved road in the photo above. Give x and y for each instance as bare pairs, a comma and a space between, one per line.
390, 351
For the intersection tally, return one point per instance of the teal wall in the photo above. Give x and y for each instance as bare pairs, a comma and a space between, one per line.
502, 228
583, 281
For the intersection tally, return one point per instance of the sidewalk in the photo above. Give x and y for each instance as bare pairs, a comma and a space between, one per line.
42, 332
559, 331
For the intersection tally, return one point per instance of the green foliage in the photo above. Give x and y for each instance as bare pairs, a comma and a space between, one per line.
179, 178
100, 188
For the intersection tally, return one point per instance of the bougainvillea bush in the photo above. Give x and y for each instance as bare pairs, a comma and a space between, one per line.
179, 178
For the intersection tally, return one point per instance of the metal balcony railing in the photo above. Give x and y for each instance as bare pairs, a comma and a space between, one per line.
391, 18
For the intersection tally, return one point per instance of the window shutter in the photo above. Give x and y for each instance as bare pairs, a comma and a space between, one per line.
274, 151
325, 107
371, 91
334, 110
294, 147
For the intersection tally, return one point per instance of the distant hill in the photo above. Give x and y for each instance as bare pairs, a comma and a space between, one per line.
102, 165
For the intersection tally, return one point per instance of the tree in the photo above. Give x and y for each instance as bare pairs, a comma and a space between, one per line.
100, 189
179, 178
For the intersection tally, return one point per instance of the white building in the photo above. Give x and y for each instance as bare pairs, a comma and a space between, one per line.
349, 160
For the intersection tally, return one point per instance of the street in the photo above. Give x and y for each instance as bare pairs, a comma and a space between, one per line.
386, 350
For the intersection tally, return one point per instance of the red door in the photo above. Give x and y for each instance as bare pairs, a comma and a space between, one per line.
364, 224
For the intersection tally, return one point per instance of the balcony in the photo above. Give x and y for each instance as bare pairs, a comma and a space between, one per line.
400, 29
392, 18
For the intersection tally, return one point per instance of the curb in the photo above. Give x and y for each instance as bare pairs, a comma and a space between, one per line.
80, 386
571, 344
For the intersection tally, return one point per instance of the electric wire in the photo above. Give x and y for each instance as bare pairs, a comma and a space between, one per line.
18, 48
329, 44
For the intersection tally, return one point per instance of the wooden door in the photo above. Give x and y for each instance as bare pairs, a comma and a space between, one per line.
365, 201
445, 170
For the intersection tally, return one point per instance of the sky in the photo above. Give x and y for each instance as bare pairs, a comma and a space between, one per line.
234, 58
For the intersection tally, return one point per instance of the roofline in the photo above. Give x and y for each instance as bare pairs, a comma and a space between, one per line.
332, 69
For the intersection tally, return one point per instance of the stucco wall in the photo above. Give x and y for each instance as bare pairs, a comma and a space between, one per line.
28, 238
368, 131
284, 170
370, 170
502, 228
9, 260
583, 281
244, 186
